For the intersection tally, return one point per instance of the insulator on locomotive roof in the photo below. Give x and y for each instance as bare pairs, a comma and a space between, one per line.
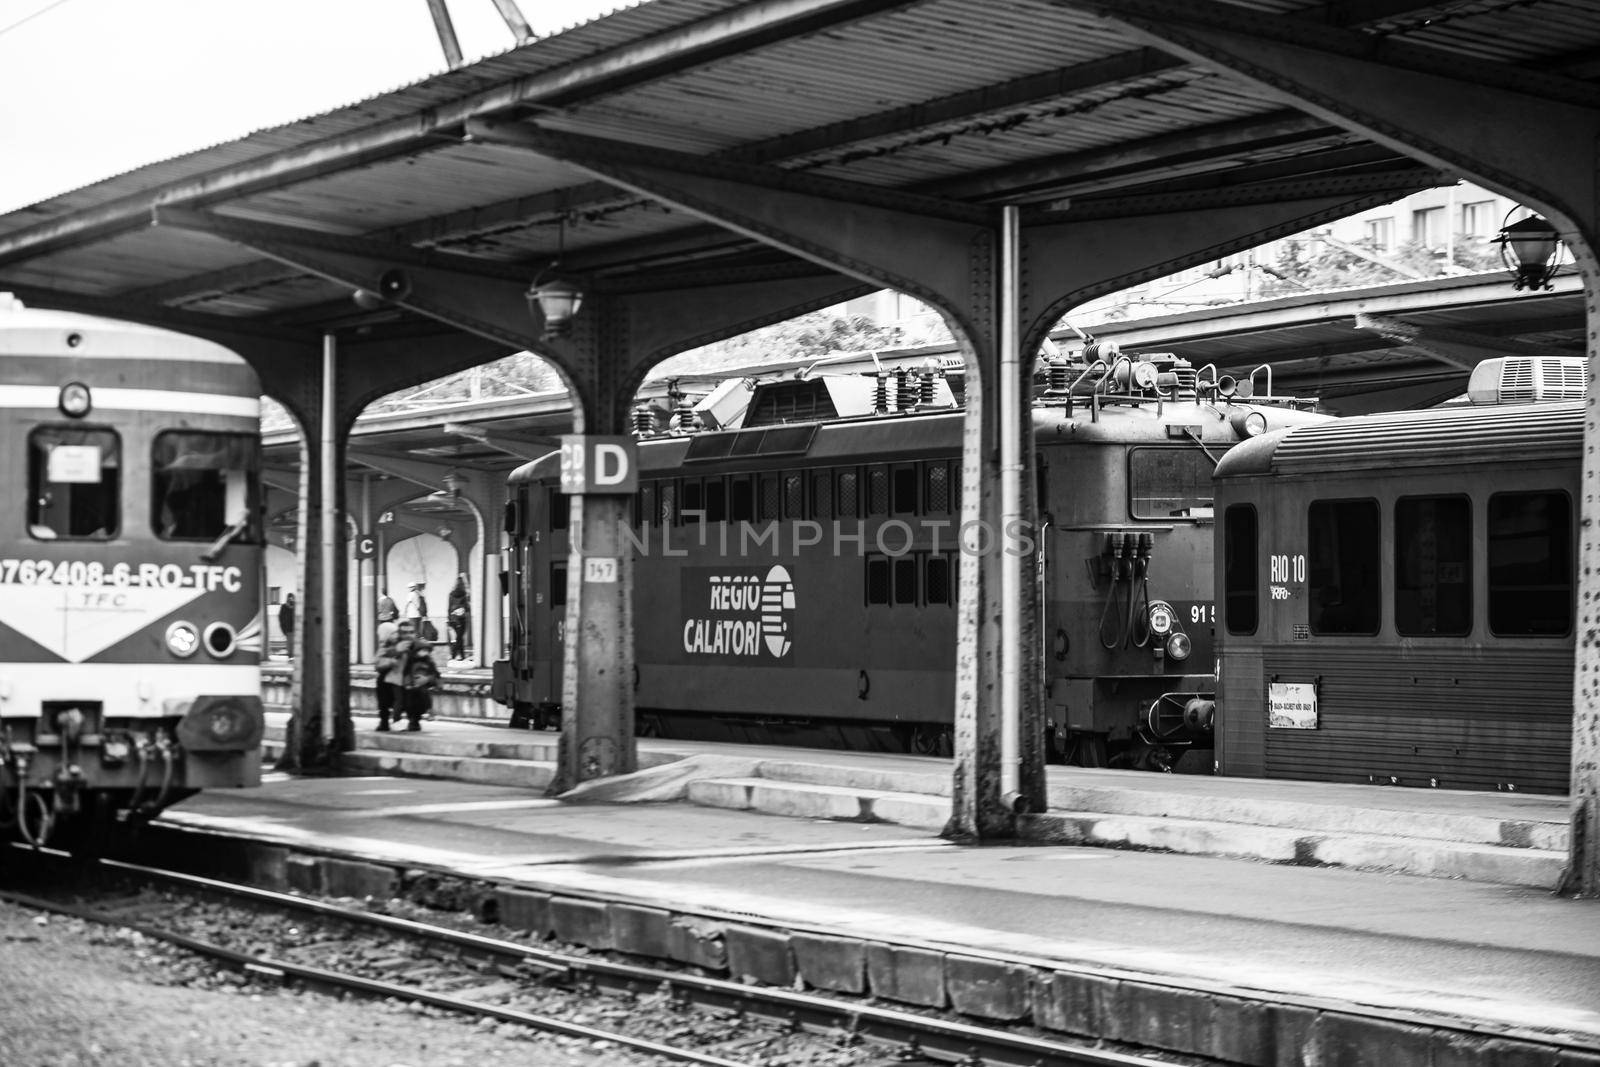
927, 378
1058, 376
880, 394
905, 396
644, 421
1105, 350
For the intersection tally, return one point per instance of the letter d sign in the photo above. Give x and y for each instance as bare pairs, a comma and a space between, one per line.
598, 465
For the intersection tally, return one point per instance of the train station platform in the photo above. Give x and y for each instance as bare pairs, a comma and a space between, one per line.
1243, 960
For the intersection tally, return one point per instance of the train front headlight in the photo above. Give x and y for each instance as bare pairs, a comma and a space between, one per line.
1179, 646
1249, 423
183, 640
1161, 618
74, 400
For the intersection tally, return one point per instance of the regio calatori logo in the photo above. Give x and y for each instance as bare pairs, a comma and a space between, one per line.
739, 614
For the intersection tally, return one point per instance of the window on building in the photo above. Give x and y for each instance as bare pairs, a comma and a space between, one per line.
1433, 566
1428, 227
1480, 219
74, 483
1530, 564
1342, 561
1380, 234
1240, 569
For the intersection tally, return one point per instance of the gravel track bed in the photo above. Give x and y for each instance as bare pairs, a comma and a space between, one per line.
76, 993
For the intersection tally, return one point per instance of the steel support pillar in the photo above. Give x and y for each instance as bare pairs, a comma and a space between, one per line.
1531, 135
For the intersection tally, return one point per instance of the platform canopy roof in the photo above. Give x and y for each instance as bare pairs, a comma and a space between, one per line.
1048, 105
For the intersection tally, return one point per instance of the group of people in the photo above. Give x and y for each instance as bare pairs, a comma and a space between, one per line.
406, 672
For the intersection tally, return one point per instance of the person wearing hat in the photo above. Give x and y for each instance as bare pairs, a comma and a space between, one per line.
416, 610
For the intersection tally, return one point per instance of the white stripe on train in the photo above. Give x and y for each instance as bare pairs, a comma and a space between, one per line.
127, 690
46, 396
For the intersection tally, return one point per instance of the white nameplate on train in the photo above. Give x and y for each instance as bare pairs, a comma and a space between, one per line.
600, 569
1292, 705
77, 464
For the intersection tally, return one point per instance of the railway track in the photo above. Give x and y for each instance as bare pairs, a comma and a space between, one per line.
690, 1018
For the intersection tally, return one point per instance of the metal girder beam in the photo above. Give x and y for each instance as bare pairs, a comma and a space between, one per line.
426, 473
487, 303
521, 448
880, 236
1459, 348
1409, 97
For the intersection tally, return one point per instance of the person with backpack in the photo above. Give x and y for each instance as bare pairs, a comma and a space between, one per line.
413, 675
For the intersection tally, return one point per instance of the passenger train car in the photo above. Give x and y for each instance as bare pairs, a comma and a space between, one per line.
1399, 591
130, 570
798, 542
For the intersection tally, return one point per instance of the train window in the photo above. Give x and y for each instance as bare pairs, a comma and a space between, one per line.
794, 496
904, 488
203, 485
1530, 564
741, 498
770, 506
559, 509
905, 580
694, 501
936, 579
667, 498
848, 500
936, 496
1241, 570
558, 585
1433, 566
716, 500
822, 494
1342, 554
74, 483
646, 503
1169, 483
878, 580
877, 491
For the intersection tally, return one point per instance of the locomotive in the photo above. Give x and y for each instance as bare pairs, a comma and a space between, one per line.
797, 542
130, 571
1399, 591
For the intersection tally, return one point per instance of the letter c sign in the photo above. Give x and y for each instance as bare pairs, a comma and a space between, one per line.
596, 465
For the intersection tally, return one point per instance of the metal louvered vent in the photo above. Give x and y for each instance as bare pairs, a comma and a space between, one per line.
1526, 379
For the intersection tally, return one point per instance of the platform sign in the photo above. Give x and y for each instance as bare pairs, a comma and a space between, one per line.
600, 570
366, 546
592, 464
1292, 705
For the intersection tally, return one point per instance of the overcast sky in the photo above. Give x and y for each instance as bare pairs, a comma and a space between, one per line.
92, 88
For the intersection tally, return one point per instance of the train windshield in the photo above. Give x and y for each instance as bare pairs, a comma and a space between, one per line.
1169, 483
74, 483
203, 485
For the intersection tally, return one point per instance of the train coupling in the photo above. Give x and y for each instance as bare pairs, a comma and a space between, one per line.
1181, 717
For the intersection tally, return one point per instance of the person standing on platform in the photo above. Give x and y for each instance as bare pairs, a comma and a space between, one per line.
416, 611
459, 619
387, 672
387, 611
286, 624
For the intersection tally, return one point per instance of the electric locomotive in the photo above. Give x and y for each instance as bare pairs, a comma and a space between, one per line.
130, 573
797, 543
1399, 591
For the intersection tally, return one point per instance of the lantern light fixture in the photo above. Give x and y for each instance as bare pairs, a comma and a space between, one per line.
555, 299
1530, 250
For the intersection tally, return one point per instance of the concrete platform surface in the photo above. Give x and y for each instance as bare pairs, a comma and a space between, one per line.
1503, 961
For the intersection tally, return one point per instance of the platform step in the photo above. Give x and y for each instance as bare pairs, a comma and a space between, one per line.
812, 801
1360, 811
1276, 844
520, 774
